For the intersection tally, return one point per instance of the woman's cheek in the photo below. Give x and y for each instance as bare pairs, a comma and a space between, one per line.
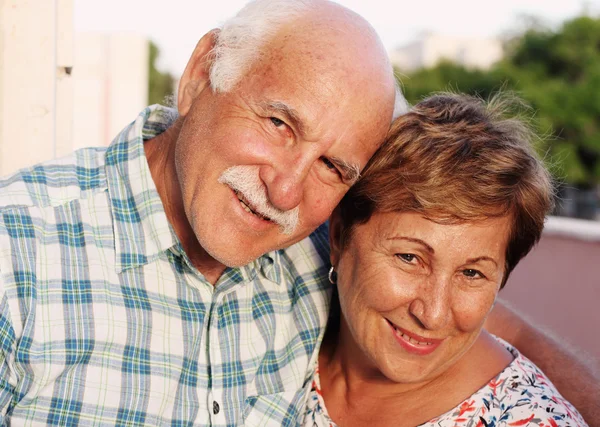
470, 312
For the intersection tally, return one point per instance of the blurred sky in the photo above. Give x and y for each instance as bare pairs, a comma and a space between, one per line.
176, 25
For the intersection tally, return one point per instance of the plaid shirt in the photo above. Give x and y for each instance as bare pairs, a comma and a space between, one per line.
105, 321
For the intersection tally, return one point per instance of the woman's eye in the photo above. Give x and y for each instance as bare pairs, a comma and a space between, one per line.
409, 258
277, 122
471, 273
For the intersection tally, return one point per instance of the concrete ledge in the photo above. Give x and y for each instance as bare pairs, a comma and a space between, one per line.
579, 229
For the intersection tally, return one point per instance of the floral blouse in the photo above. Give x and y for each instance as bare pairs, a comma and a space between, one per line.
521, 395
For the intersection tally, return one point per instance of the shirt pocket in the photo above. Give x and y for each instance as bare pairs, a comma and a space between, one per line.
285, 408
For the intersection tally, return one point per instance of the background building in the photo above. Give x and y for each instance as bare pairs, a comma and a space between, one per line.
430, 49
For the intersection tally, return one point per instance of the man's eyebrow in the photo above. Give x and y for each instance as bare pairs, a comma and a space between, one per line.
290, 114
350, 172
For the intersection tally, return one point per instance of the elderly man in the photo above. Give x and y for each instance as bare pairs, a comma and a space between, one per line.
169, 279
144, 284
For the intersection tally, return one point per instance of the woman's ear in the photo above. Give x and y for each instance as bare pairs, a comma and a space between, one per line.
195, 78
335, 235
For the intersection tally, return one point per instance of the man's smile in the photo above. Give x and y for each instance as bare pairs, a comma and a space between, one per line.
248, 207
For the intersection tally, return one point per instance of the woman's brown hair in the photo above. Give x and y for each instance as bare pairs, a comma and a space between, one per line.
456, 158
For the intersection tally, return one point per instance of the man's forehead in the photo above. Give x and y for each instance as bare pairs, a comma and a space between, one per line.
324, 104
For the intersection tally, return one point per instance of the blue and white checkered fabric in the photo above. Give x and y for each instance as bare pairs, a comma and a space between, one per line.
104, 321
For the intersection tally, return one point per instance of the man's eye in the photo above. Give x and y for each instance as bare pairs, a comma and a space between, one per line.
277, 122
329, 165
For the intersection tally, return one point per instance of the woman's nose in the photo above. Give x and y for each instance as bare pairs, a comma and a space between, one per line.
431, 306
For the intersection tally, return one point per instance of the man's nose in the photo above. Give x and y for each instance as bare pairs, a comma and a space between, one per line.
285, 178
431, 305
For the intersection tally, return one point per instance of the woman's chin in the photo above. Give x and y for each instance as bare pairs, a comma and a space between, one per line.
410, 368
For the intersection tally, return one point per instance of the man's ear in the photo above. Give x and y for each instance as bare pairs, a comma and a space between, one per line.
195, 77
335, 235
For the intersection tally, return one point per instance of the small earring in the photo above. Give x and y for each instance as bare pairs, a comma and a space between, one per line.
332, 275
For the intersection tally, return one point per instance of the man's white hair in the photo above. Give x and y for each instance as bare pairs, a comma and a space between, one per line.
242, 37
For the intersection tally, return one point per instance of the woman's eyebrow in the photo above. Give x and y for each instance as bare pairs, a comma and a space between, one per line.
414, 240
482, 258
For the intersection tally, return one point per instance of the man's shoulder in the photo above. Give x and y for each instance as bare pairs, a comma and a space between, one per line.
320, 240
55, 182
310, 255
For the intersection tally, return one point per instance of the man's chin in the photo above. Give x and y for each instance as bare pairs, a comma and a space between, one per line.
233, 259
229, 259
233, 253
238, 247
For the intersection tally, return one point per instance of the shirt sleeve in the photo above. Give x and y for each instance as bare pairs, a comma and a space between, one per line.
7, 346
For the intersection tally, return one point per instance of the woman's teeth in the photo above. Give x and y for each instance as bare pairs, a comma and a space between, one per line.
410, 339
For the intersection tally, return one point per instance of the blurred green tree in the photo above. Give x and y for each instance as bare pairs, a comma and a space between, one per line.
160, 85
557, 72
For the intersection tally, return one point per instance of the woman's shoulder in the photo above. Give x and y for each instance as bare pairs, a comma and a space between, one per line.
520, 395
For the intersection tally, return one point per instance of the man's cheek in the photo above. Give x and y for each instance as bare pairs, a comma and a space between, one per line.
320, 209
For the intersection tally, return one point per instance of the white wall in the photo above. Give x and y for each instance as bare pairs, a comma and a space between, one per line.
111, 85
60, 91
36, 52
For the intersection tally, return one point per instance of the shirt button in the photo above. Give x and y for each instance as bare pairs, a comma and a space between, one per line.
216, 408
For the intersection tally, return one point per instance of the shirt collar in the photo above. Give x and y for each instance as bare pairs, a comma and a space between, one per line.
141, 229
140, 224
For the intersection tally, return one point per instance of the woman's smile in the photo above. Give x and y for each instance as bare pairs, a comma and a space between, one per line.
414, 343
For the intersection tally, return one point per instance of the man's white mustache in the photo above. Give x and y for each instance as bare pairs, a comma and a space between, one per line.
246, 181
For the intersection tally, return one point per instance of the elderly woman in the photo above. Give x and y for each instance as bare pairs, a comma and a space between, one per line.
420, 248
